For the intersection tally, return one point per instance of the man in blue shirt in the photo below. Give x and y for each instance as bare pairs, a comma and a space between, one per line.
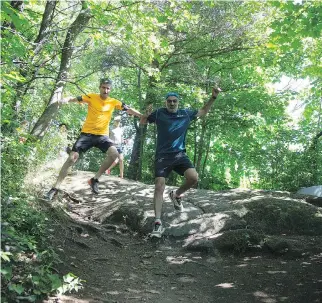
172, 125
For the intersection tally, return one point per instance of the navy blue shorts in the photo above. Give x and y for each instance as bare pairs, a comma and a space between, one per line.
119, 149
86, 141
178, 162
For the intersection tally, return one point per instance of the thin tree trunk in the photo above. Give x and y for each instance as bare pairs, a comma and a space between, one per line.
206, 156
50, 112
22, 88
201, 143
135, 167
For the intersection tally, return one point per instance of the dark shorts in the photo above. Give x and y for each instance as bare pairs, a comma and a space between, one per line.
178, 162
119, 149
86, 141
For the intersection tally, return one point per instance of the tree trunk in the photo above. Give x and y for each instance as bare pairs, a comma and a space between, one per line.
201, 143
202, 172
203, 132
314, 158
46, 22
22, 88
135, 166
50, 112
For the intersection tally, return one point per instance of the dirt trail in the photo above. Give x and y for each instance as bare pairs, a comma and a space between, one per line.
121, 266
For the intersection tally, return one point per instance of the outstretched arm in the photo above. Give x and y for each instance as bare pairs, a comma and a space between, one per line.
205, 109
67, 100
144, 118
134, 112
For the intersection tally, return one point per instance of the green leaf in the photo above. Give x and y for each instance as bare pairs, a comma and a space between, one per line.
55, 281
35, 280
5, 255
18, 288
162, 19
7, 272
69, 277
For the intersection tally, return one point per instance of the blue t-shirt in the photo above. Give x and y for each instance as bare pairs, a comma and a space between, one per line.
171, 129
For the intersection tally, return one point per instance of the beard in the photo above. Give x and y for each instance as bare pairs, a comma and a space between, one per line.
172, 109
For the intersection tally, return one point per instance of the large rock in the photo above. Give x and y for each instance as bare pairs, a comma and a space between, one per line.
311, 191
232, 219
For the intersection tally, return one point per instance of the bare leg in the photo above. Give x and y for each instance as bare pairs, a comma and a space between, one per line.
121, 158
71, 160
111, 155
114, 163
191, 178
158, 196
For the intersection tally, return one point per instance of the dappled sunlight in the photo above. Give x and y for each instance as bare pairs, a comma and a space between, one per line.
241, 212
252, 258
146, 192
242, 265
149, 213
206, 228
263, 297
73, 299
184, 216
186, 279
178, 260
225, 285
273, 272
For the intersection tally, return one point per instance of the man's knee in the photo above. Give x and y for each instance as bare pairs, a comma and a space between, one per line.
73, 157
112, 153
192, 176
159, 185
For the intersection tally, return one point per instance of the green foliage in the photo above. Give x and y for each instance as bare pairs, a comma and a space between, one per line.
149, 49
27, 259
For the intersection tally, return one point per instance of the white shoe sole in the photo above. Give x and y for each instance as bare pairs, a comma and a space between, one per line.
176, 206
157, 235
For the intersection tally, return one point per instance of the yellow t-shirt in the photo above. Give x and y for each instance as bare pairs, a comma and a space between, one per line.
99, 113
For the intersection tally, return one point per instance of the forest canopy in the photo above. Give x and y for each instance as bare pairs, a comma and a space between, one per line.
264, 55
56, 48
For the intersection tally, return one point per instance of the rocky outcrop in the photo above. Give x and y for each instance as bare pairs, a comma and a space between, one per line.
236, 220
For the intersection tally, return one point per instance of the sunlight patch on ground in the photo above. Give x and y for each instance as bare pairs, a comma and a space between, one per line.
182, 217
225, 285
242, 265
207, 228
113, 292
264, 297
251, 258
241, 212
70, 299
178, 260
145, 193
186, 279
149, 213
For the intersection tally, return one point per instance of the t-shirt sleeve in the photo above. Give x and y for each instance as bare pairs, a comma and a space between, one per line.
192, 113
121, 105
84, 98
152, 117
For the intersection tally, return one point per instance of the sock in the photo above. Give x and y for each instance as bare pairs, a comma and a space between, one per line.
157, 220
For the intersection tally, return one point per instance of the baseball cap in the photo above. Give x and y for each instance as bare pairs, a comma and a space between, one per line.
171, 94
105, 81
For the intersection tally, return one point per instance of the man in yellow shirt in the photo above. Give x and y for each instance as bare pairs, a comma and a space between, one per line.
95, 132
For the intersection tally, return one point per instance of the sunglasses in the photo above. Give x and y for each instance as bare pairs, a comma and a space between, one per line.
172, 101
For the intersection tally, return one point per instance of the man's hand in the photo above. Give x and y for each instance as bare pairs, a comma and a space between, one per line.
64, 100
215, 92
205, 109
144, 117
149, 109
